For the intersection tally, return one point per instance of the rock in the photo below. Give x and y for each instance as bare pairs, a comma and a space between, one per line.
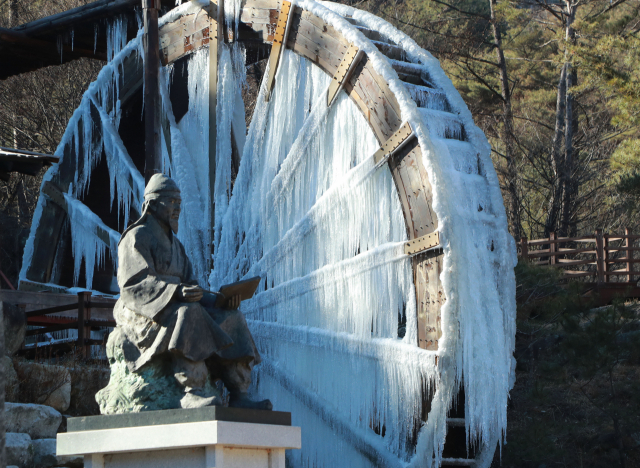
45, 455
86, 381
15, 326
11, 379
19, 449
39, 421
44, 452
128, 392
45, 385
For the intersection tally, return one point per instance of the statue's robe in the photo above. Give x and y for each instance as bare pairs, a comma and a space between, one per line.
152, 265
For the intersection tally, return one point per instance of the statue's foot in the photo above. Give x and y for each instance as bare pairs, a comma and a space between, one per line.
242, 400
195, 400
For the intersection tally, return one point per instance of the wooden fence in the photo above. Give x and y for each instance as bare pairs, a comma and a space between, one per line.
606, 261
596, 256
79, 312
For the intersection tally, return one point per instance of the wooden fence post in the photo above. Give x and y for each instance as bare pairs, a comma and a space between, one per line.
599, 256
552, 248
524, 248
84, 329
605, 261
628, 243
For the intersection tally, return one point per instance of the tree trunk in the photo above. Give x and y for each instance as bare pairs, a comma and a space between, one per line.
513, 203
13, 22
568, 186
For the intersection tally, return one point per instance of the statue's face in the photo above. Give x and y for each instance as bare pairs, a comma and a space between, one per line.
167, 209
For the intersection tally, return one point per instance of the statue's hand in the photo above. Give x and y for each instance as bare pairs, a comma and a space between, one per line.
233, 302
189, 293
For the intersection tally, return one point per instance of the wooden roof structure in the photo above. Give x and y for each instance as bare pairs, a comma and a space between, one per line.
48, 41
25, 162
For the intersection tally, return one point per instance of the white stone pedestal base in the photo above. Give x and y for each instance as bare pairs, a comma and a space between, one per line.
205, 444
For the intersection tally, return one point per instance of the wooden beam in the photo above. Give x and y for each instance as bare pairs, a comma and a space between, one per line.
423, 243
279, 41
348, 64
22, 155
151, 44
20, 53
395, 143
92, 11
216, 35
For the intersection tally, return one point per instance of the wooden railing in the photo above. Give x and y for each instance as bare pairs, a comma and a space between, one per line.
83, 314
604, 258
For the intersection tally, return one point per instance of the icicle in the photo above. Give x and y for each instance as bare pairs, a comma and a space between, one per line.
116, 36
190, 160
86, 245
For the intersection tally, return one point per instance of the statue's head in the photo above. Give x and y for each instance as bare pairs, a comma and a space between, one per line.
163, 197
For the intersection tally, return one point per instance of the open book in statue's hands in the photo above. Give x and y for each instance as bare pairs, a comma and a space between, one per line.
245, 289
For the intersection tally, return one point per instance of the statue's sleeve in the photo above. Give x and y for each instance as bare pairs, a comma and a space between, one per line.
142, 289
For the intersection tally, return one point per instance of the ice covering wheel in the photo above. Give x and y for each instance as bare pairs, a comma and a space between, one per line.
366, 345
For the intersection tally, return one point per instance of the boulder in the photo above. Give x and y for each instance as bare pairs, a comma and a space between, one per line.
19, 450
39, 421
45, 384
15, 326
44, 455
10, 379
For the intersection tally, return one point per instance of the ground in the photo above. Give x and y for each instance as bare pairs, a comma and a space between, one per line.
565, 407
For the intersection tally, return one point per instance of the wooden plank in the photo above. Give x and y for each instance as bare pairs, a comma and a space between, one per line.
600, 255
628, 245
371, 94
39, 299
383, 107
388, 96
407, 165
564, 262
254, 16
279, 41
188, 36
578, 274
261, 4
323, 37
429, 297
84, 331
310, 50
325, 29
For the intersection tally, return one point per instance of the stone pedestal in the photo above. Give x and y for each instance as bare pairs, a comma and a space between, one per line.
199, 438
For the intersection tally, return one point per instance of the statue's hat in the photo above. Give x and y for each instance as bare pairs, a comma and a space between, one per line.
160, 185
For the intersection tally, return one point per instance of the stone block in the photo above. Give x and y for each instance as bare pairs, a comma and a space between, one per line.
44, 455
45, 384
15, 326
39, 421
10, 379
19, 450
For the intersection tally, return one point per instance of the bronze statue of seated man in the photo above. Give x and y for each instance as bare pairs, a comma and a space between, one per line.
167, 323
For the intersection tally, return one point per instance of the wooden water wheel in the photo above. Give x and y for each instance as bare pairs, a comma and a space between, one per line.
442, 179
